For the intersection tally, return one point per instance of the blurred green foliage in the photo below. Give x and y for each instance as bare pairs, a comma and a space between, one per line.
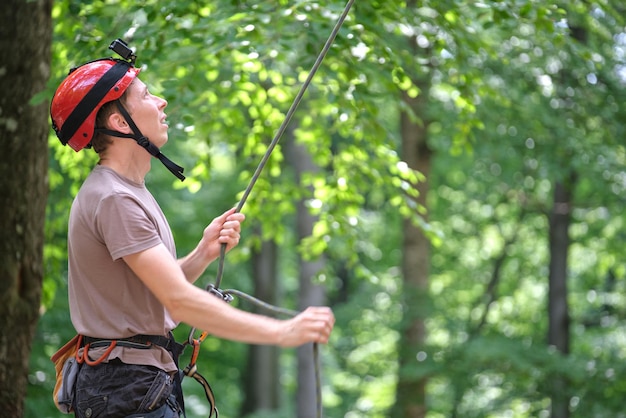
516, 103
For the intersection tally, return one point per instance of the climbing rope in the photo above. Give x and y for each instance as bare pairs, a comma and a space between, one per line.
282, 128
227, 295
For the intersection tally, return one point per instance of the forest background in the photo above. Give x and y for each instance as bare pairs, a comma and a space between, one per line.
452, 185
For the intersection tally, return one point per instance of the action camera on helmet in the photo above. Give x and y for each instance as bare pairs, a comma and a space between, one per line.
121, 48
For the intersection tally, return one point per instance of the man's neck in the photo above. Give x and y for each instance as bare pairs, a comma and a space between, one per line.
129, 164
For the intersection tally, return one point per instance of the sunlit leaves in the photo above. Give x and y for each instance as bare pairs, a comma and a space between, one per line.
499, 102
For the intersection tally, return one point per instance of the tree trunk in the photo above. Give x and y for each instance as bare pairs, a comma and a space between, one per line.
558, 311
559, 241
310, 294
261, 382
411, 391
25, 39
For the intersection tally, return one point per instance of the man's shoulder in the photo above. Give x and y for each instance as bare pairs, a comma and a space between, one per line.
103, 188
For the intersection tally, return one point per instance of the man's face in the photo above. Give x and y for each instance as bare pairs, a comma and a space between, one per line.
147, 111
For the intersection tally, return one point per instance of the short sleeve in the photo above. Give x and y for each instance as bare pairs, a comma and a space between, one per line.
125, 226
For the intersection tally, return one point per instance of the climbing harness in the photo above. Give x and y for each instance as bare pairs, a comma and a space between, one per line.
227, 295
143, 342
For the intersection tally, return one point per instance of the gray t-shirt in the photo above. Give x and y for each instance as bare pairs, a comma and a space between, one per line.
112, 217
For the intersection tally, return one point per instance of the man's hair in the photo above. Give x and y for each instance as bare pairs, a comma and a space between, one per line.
101, 141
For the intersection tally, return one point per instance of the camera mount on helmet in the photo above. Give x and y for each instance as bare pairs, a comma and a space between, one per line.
121, 48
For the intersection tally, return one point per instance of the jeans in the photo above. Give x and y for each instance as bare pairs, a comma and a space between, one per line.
118, 390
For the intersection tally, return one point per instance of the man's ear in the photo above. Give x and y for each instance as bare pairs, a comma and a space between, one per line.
118, 123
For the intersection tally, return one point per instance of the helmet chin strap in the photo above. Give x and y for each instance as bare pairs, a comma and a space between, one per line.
144, 142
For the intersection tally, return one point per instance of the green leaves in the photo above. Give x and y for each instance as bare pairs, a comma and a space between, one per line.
514, 101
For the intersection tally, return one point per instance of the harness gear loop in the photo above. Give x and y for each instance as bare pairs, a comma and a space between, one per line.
84, 358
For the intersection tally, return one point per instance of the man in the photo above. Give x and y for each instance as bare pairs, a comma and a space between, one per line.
127, 290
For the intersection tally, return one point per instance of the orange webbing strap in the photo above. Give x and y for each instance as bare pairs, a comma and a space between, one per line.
195, 342
194, 354
192, 371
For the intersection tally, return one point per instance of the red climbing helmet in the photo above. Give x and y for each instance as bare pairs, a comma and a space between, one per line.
83, 92
80, 96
